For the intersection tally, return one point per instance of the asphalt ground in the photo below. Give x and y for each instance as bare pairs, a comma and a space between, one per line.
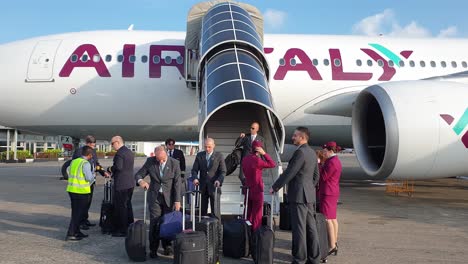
375, 227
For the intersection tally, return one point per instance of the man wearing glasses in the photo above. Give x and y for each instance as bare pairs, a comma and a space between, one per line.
122, 174
246, 144
178, 155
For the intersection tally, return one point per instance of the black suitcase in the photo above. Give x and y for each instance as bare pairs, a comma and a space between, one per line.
190, 245
105, 220
237, 234
322, 231
285, 220
135, 242
210, 226
263, 242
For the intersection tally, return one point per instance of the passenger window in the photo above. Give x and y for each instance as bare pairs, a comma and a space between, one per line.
433, 64
156, 59
464, 64
326, 62
337, 62
402, 63
380, 63
120, 58
179, 60
454, 64
168, 59
84, 58
292, 62
282, 62
412, 64
369, 63
144, 58
132, 58
108, 58
96, 58
359, 63
74, 58
315, 62
443, 63
422, 63
391, 63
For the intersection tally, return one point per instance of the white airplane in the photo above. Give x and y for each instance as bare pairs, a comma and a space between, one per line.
402, 104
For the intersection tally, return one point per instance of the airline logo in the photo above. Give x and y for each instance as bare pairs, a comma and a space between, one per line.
381, 55
459, 126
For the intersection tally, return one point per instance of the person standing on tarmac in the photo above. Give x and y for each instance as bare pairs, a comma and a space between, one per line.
79, 189
95, 166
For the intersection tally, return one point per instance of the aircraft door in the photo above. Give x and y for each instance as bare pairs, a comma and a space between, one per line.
41, 62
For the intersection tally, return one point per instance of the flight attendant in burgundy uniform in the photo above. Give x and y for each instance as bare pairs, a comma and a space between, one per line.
329, 191
252, 166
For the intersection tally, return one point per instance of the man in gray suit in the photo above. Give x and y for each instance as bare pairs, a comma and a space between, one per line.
245, 141
210, 164
302, 176
163, 195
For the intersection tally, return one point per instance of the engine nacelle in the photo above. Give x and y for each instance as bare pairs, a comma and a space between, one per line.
412, 130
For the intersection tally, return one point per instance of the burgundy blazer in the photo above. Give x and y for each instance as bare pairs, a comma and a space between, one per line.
252, 167
330, 173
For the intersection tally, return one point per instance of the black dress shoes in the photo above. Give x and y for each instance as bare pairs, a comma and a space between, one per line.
88, 223
82, 235
84, 227
168, 251
72, 238
119, 234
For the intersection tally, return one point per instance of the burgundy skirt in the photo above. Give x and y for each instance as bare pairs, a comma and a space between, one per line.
328, 204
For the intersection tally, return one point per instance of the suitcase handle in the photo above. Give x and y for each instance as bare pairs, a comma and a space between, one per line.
246, 200
144, 207
192, 210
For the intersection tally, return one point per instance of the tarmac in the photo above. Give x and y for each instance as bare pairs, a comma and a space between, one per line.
375, 227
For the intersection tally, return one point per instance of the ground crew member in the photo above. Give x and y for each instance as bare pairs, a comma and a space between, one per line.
79, 190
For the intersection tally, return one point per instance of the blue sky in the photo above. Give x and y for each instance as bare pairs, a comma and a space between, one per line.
23, 19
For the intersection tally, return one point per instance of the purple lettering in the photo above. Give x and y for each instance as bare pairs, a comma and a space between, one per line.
304, 65
156, 50
128, 67
388, 72
337, 70
91, 50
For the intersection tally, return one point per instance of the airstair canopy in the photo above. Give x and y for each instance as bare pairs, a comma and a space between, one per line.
198, 11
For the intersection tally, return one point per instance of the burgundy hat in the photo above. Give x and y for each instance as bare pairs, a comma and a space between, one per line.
256, 144
330, 144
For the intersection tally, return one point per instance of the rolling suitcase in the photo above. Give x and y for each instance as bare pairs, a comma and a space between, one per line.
135, 242
105, 220
210, 226
190, 245
322, 231
237, 234
263, 242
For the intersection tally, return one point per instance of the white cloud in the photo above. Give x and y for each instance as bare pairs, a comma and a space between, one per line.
386, 23
274, 19
451, 31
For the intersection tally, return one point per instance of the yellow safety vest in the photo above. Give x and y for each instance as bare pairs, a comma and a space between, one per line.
76, 179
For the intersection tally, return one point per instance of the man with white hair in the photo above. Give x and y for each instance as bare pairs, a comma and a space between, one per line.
163, 193
212, 169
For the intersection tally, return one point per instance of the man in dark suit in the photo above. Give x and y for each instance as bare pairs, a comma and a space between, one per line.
245, 141
164, 193
178, 155
122, 174
211, 168
302, 175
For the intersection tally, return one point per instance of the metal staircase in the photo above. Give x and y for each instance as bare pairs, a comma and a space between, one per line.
225, 42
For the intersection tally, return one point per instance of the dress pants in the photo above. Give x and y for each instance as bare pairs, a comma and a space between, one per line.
90, 200
79, 203
157, 208
123, 211
205, 196
255, 210
305, 244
